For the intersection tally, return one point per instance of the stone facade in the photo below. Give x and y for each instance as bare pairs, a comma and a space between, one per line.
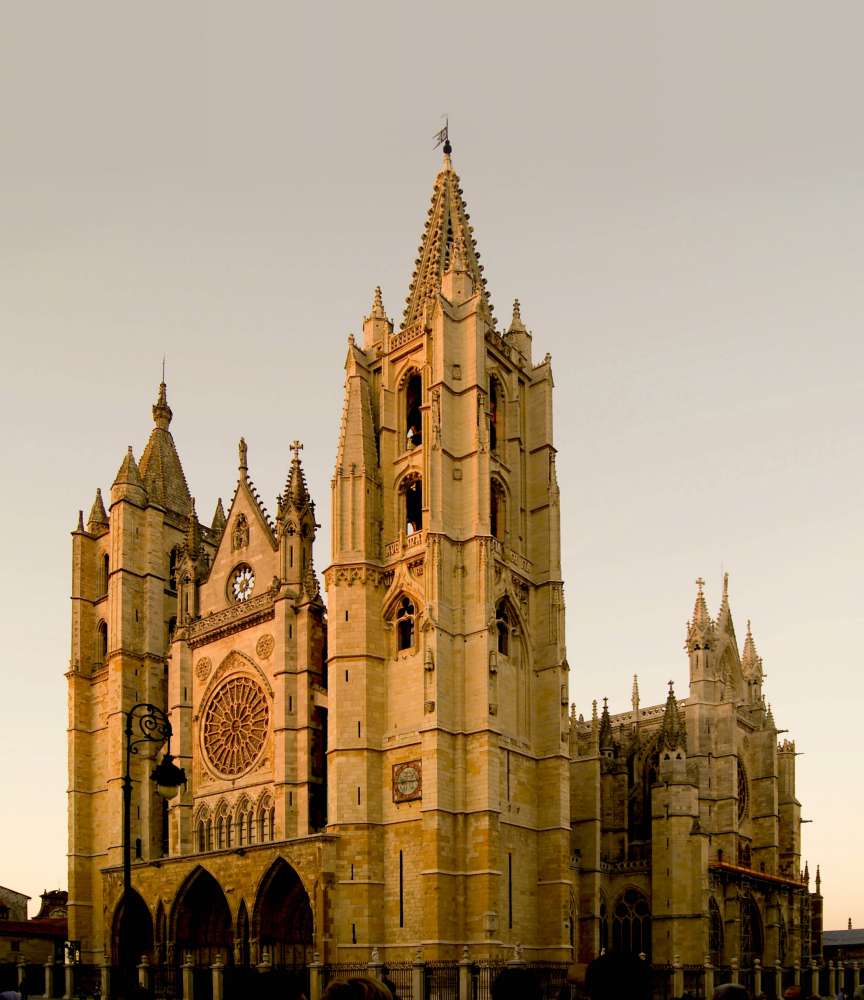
400, 771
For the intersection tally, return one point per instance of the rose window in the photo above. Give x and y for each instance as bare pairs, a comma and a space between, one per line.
235, 726
242, 583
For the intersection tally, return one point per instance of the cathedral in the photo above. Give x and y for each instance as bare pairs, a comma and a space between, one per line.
390, 766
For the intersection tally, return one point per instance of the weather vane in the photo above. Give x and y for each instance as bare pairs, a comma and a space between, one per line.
444, 136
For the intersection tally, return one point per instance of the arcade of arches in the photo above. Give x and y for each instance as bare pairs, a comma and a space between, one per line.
205, 920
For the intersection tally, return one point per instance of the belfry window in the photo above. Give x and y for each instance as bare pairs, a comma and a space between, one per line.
106, 567
102, 642
173, 557
405, 625
413, 491
413, 416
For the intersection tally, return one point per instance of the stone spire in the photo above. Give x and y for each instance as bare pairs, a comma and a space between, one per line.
193, 533
447, 231
296, 493
671, 732
634, 697
724, 615
818, 881
378, 305
377, 323
160, 464
700, 628
218, 525
128, 474
606, 742
97, 522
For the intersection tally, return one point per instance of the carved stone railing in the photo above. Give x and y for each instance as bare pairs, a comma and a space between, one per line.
510, 556
231, 619
405, 336
405, 543
639, 865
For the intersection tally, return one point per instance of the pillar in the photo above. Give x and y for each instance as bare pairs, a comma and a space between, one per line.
418, 974
465, 975
677, 976
188, 970
856, 976
797, 968
144, 973
757, 977
709, 977
49, 980
69, 976
734, 964
104, 979
375, 965
832, 978
217, 970
265, 965
22, 972
316, 977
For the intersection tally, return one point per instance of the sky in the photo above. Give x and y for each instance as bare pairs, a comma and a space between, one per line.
674, 193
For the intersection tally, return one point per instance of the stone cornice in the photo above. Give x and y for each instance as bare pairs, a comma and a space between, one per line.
231, 619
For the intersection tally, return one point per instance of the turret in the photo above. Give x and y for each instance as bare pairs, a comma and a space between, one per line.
295, 528
518, 334
97, 522
128, 484
377, 325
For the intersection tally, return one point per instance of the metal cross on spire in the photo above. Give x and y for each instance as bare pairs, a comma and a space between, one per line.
443, 137
296, 447
700, 583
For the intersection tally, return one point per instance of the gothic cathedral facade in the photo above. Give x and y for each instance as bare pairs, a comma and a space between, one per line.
397, 768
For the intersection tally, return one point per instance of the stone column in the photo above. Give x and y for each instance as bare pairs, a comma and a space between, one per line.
265, 965
778, 978
188, 970
316, 977
69, 976
797, 968
832, 978
757, 977
144, 973
465, 975
677, 976
814, 977
49, 980
104, 979
217, 970
856, 975
375, 965
734, 964
22, 971
709, 977
418, 974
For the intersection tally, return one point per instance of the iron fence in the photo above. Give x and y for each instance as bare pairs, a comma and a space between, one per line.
401, 974
166, 982
441, 981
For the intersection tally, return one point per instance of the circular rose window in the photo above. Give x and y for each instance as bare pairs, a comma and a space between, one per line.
235, 726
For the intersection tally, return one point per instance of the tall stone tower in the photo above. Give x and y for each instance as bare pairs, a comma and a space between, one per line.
448, 732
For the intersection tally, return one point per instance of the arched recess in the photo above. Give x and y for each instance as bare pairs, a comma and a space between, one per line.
514, 670
497, 407
161, 935
715, 931
282, 918
242, 935
201, 920
132, 932
752, 937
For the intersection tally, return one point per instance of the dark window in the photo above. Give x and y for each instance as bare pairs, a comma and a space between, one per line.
715, 931
604, 926
494, 414
413, 420
505, 623
172, 625
172, 568
102, 641
405, 624
497, 518
631, 924
751, 931
413, 505
106, 568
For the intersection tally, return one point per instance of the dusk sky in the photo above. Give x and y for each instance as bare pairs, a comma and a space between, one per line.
673, 191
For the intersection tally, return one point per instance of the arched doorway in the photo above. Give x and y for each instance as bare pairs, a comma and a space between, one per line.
282, 920
131, 937
202, 921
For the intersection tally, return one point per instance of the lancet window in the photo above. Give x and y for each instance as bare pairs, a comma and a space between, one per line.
413, 415
412, 503
496, 415
106, 570
102, 642
505, 623
751, 930
497, 510
715, 931
173, 560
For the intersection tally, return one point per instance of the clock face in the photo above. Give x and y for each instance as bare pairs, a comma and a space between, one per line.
242, 583
407, 781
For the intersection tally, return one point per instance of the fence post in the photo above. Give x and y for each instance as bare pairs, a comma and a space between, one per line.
677, 976
778, 978
316, 977
734, 966
796, 968
104, 978
144, 973
188, 978
418, 975
832, 978
22, 971
217, 970
265, 964
49, 979
465, 975
757, 977
709, 977
375, 965
856, 975
814, 976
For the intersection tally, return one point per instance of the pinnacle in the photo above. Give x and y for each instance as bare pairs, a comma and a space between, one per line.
750, 659
516, 323
162, 413
671, 731
193, 533
128, 473
218, 524
296, 492
378, 305
161, 470
243, 458
98, 519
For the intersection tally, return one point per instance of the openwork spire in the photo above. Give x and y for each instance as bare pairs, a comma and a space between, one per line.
606, 742
193, 533
296, 492
447, 241
751, 661
700, 628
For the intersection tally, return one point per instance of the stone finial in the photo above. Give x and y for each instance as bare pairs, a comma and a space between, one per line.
244, 456
378, 304
80, 526
161, 410
634, 697
193, 534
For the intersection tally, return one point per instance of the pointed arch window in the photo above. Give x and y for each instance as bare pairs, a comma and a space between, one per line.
715, 931
505, 623
102, 641
412, 503
604, 926
173, 560
752, 944
106, 572
742, 802
413, 414
202, 837
496, 414
220, 833
631, 924
405, 625
497, 510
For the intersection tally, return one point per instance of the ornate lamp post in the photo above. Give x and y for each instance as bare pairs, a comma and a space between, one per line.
145, 723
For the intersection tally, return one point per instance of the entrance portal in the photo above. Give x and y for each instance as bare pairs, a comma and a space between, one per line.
283, 918
202, 921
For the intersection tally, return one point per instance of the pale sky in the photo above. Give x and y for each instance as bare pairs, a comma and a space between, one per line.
674, 193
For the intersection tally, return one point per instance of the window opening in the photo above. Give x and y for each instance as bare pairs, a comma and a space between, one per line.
102, 641
715, 931
106, 566
497, 519
413, 420
405, 625
172, 568
413, 505
494, 407
505, 623
631, 924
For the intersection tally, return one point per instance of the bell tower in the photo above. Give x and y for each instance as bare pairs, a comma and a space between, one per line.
448, 747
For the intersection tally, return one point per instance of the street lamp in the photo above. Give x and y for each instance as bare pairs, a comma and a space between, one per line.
145, 723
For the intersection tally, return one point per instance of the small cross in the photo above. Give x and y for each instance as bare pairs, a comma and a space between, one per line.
671, 686
700, 583
296, 446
